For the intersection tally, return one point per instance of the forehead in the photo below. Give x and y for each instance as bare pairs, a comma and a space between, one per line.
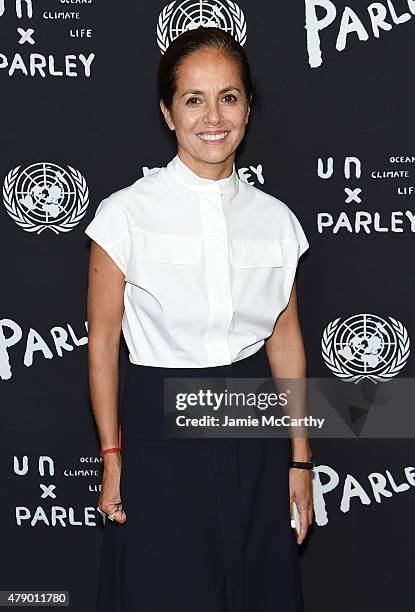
207, 66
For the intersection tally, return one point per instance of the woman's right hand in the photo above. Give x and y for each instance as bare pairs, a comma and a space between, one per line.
110, 498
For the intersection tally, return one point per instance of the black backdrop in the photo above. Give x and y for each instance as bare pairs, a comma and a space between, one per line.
102, 129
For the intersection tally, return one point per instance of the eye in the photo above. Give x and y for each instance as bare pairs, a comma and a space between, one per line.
191, 101
230, 96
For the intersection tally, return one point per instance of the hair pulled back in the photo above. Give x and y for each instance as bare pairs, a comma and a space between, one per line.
196, 40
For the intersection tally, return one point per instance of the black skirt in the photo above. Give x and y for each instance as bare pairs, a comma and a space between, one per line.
208, 519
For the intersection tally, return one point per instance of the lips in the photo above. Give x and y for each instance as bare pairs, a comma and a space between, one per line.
213, 136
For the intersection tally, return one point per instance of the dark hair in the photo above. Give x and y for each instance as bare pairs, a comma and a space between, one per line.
195, 40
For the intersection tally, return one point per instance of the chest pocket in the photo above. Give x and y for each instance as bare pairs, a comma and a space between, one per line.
256, 253
172, 248
164, 273
163, 262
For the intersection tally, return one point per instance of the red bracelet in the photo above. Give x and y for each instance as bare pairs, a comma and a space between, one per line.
110, 450
116, 448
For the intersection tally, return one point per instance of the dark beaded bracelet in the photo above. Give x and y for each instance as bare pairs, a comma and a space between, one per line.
305, 465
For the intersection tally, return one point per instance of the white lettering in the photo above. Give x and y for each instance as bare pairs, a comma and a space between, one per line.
37, 64
350, 22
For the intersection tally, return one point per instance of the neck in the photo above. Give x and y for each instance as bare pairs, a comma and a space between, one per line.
213, 171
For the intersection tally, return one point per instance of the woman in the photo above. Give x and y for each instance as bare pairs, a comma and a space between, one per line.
196, 266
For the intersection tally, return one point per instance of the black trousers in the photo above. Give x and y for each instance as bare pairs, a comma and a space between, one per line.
208, 521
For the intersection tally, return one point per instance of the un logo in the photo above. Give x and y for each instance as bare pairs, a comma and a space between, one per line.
177, 18
365, 346
45, 196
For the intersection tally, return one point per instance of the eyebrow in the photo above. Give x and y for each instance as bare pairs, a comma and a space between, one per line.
198, 91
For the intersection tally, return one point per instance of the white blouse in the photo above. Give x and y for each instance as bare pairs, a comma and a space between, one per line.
209, 265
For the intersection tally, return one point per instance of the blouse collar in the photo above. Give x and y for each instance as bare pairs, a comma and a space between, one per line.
203, 185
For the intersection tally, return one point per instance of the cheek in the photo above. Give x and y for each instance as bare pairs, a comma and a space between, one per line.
236, 116
187, 122
183, 120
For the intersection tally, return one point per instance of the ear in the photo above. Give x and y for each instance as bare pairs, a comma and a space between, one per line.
249, 110
166, 114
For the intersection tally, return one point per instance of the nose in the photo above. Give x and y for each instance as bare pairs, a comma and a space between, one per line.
213, 114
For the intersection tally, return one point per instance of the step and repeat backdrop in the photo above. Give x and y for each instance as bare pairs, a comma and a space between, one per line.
333, 137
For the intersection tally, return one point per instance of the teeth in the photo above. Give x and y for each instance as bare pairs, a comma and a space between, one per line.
212, 136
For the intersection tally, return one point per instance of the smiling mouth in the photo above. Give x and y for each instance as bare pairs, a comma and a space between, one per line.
212, 136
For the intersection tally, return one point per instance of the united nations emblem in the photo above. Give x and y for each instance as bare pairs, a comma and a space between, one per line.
45, 196
365, 346
177, 18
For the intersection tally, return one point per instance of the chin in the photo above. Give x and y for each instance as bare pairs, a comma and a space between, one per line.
215, 158
215, 151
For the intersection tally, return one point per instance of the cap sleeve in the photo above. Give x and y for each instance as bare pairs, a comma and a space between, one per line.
297, 233
110, 229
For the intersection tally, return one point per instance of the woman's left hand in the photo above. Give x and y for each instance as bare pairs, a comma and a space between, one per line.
302, 492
